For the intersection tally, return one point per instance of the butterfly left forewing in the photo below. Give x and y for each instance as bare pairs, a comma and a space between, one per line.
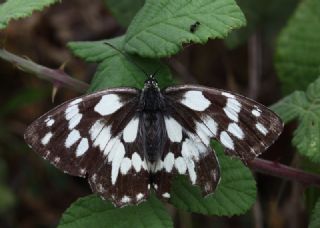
244, 127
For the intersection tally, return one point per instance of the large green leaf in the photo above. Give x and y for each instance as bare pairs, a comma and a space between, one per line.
124, 10
298, 58
236, 192
14, 9
91, 211
117, 70
315, 217
162, 26
305, 107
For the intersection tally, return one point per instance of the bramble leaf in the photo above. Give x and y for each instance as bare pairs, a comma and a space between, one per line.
116, 70
297, 59
91, 211
235, 194
305, 107
15, 9
162, 26
315, 217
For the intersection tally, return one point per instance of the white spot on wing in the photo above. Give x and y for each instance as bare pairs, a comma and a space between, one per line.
46, 139
103, 138
116, 160
125, 199
108, 104
75, 120
82, 147
234, 129
226, 140
96, 129
228, 95
71, 111
195, 100
166, 195
263, 130
168, 162
136, 161
50, 122
72, 138
131, 130
76, 101
125, 165
188, 157
256, 112
203, 132
112, 148
139, 196
180, 165
211, 124
174, 129
232, 109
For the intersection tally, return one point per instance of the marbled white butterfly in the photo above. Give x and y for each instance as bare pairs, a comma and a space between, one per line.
128, 141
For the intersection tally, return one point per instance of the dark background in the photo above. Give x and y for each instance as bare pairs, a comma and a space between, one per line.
35, 194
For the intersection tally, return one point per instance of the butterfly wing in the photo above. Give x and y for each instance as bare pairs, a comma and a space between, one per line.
244, 127
85, 137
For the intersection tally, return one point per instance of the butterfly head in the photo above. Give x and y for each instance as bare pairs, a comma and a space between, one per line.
151, 82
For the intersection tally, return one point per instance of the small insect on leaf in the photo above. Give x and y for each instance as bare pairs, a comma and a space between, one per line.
194, 26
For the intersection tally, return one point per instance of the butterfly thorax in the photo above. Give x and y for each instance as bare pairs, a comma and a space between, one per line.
151, 107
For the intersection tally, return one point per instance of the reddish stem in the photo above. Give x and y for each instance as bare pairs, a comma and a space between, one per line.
285, 172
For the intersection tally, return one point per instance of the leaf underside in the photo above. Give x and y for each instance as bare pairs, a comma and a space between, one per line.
15, 9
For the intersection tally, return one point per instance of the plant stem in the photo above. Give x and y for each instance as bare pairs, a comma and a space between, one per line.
57, 76
285, 172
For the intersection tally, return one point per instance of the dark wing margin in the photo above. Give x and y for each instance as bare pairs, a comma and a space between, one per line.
84, 137
244, 127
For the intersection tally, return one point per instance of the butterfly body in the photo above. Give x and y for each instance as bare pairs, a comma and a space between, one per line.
129, 142
152, 129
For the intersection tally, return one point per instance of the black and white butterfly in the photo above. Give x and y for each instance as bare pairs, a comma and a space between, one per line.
129, 141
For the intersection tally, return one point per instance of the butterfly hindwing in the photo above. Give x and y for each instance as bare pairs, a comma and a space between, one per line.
186, 153
244, 127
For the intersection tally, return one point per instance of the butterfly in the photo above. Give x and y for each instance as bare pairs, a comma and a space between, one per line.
129, 142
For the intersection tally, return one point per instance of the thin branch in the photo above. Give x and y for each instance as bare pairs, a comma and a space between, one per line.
56, 76
285, 172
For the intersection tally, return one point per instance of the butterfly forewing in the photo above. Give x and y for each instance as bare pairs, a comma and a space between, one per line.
244, 127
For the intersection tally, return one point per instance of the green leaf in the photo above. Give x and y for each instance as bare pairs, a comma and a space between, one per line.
305, 107
162, 26
117, 70
91, 211
315, 217
298, 58
235, 194
14, 9
124, 10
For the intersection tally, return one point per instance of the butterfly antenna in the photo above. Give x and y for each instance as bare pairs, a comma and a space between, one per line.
128, 58
155, 72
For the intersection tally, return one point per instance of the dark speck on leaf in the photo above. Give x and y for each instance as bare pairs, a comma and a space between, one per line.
194, 26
